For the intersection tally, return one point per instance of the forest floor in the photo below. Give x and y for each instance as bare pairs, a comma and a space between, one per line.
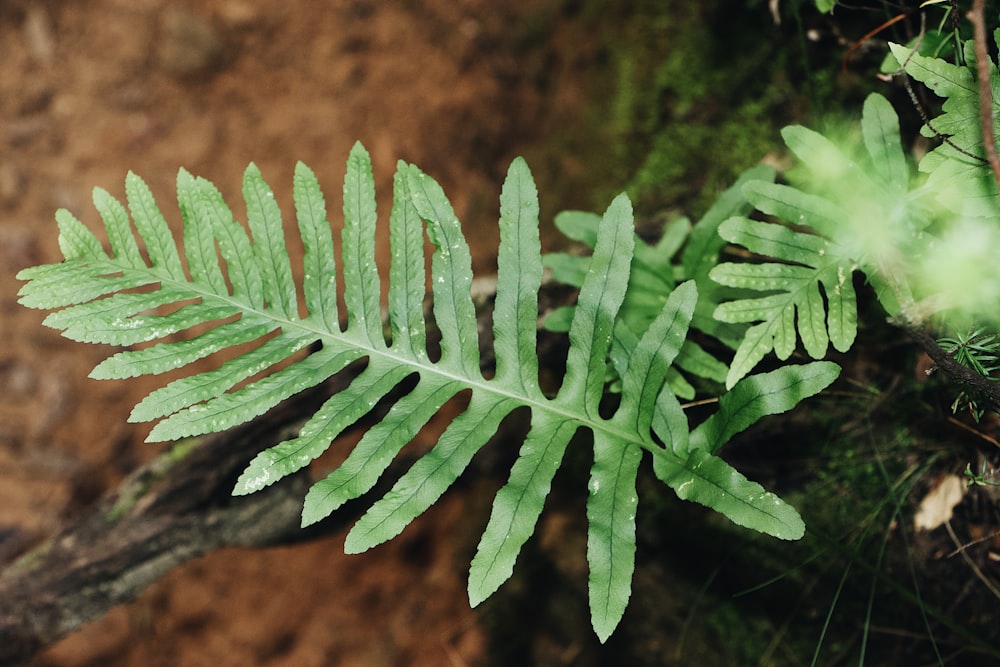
89, 91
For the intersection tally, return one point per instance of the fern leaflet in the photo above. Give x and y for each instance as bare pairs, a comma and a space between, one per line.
958, 172
865, 219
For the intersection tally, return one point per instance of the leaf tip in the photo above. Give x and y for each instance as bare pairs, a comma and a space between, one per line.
310, 516
795, 527
303, 170
255, 477
604, 629
317, 506
623, 202
476, 596
252, 171
687, 290
353, 544
358, 150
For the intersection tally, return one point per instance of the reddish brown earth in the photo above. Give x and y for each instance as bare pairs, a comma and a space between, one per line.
90, 90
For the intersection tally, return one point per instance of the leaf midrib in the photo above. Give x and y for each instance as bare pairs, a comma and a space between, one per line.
553, 406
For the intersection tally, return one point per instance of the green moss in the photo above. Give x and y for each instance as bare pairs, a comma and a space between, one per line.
692, 95
133, 491
677, 98
698, 100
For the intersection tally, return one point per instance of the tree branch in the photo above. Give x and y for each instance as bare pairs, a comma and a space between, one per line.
947, 363
175, 508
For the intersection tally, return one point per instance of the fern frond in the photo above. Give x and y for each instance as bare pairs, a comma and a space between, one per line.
958, 172
238, 291
701, 254
866, 219
794, 301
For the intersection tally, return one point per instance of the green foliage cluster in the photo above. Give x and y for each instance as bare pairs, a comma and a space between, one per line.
255, 301
655, 323
960, 192
978, 351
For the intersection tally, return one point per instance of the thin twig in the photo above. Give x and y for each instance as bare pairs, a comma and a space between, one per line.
985, 88
988, 438
868, 35
975, 568
973, 543
947, 363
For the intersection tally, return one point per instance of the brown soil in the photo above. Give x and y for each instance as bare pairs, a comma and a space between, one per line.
89, 90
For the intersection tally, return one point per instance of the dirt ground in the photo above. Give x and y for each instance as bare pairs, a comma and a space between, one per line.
90, 90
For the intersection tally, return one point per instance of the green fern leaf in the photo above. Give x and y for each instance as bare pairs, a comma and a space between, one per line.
75, 240
611, 511
757, 396
701, 254
406, 272
864, 220
953, 82
153, 228
958, 172
123, 244
881, 134
653, 277
270, 254
238, 291
794, 301
651, 280
199, 242
710, 481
